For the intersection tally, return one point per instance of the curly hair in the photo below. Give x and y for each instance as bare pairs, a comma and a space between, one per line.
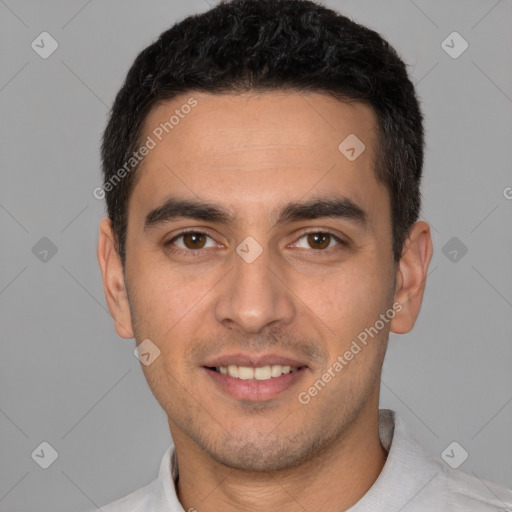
264, 45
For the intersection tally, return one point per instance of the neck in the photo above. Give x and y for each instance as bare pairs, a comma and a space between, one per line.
331, 481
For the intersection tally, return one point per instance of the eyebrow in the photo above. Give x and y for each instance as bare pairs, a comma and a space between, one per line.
337, 208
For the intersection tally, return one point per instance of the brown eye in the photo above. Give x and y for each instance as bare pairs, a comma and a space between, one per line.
194, 240
319, 240
191, 240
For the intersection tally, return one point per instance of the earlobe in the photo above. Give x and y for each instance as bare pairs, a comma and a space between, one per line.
411, 277
113, 280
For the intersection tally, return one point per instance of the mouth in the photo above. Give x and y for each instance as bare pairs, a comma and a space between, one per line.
255, 383
260, 373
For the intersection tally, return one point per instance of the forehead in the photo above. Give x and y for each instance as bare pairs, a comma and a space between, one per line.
257, 124
250, 151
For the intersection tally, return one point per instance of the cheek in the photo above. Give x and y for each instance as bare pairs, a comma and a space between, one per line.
351, 308
352, 296
166, 382
169, 309
164, 294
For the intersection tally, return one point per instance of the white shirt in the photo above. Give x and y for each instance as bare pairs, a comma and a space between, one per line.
411, 481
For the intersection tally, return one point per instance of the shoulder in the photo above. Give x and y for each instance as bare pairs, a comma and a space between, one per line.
460, 491
418, 481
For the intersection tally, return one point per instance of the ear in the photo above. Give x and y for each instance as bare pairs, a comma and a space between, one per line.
411, 277
113, 280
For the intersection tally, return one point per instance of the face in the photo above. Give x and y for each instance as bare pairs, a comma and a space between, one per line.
255, 246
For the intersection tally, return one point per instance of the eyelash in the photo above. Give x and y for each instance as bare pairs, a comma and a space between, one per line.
199, 252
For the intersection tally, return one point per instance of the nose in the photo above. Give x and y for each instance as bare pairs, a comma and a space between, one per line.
254, 296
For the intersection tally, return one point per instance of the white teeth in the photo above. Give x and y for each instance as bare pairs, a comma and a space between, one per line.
276, 370
245, 373
259, 373
233, 370
262, 373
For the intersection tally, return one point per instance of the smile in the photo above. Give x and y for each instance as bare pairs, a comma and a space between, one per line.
259, 373
255, 383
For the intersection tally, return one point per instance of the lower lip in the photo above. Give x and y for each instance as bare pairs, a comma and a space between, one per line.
255, 389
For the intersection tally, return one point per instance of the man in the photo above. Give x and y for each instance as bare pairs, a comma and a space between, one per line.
262, 168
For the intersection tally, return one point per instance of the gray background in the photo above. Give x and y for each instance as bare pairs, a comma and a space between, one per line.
66, 378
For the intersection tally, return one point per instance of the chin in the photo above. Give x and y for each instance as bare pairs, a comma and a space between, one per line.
253, 460
264, 454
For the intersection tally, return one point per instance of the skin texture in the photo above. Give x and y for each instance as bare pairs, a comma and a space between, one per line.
252, 154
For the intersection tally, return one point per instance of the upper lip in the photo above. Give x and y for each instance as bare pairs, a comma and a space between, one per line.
254, 360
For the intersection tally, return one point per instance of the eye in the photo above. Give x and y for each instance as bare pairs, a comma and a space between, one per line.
318, 240
191, 240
